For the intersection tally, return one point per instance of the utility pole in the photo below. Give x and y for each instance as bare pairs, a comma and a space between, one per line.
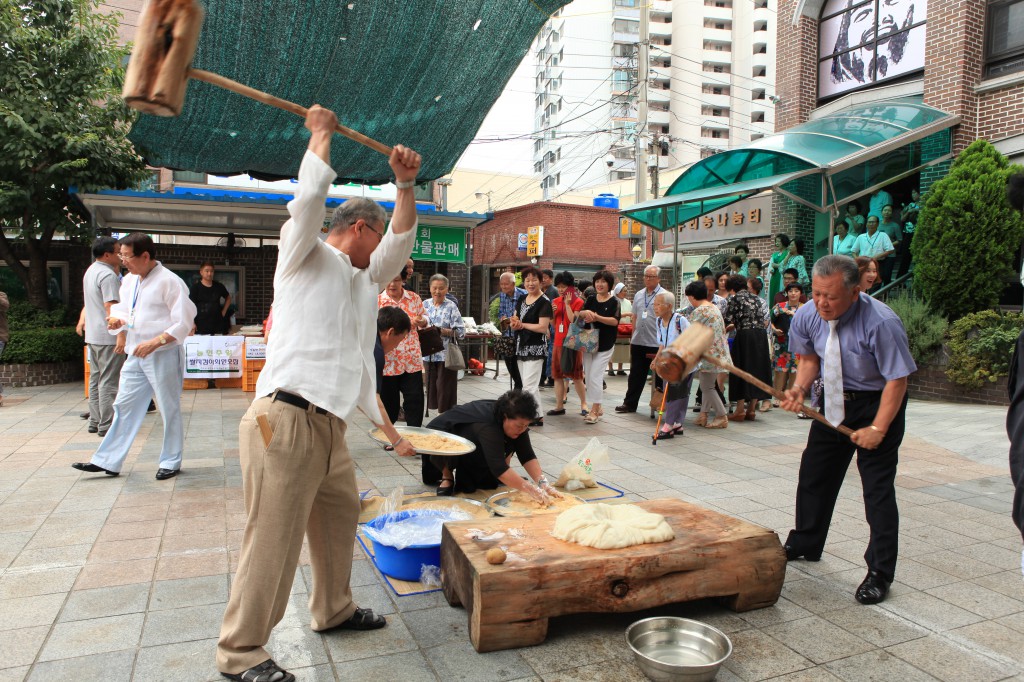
643, 70
654, 153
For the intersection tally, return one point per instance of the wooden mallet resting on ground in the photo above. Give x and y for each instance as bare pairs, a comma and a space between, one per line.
160, 66
679, 359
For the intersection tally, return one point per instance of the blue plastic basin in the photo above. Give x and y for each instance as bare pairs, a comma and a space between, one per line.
406, 563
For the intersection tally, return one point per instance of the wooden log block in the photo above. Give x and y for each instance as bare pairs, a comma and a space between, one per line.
712, 555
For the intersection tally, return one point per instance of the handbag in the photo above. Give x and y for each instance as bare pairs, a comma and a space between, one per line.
453, 359
580, 339
504, 346
567, 364
430, 341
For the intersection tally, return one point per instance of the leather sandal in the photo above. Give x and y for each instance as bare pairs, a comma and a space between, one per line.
267, 671
445, 490
362, 619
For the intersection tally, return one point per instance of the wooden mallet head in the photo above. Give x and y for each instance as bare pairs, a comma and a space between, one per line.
165, 43
679, 359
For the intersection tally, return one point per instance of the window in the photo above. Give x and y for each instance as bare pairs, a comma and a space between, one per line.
757, 117
863, 42
626, 26
1004, 37
189, 176
760, 71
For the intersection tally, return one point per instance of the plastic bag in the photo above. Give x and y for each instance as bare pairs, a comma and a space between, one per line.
430, 576
579, 471
399, 528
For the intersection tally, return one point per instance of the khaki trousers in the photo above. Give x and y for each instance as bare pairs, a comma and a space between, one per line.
303, 481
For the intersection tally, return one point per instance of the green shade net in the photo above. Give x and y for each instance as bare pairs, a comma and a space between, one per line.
844, 147
412, 73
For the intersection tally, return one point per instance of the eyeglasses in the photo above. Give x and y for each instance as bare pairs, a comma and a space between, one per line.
380, 235
124, 257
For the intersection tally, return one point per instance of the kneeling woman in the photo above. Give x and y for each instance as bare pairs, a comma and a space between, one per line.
499, 429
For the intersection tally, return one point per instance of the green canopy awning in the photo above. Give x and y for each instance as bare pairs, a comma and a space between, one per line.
422, 73
819, 164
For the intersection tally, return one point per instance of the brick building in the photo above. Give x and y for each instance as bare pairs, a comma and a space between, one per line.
581, 239
909, 83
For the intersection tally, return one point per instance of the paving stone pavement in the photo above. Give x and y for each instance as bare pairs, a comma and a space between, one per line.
126, 578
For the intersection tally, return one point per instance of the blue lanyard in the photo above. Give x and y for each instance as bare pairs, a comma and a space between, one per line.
135, 297
647, 301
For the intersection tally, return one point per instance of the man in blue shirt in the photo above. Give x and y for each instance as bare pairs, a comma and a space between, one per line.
860, 348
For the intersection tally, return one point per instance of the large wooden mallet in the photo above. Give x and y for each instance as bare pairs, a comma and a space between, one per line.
160, 66
679, 359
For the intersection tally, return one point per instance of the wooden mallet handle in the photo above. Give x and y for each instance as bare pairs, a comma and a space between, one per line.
751, 379
260, 96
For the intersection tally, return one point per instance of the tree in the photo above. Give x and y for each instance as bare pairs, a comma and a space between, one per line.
63, 125
967, 235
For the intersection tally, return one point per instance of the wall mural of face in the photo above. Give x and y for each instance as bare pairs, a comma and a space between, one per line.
868, 41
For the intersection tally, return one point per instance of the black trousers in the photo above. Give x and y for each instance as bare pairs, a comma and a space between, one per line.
513, 372
639, 366
407, 386
822, 469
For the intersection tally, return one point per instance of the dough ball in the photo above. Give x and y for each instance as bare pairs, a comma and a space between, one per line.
611, 526
496, 555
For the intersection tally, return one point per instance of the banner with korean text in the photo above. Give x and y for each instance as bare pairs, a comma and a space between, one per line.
213, 357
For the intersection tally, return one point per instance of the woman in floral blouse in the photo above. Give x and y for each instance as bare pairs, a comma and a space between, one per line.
442, 383
403, 367
748, 315
782, 316
706, 313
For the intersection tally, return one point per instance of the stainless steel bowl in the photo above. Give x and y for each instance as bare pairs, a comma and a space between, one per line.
669, 649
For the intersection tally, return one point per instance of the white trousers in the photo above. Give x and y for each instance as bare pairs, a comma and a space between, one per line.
530, 371
160, 374
593, 374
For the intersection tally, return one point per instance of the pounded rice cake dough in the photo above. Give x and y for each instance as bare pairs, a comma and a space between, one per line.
611, 526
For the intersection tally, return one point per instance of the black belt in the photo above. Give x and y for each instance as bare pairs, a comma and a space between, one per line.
295, 400
860, 395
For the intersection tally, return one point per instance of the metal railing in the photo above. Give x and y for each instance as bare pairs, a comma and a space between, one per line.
898, 285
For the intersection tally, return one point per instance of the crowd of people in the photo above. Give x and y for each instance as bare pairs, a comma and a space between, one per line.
885, 233
554, 332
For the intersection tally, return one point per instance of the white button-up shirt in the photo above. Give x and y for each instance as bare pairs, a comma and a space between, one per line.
325, 310
161, 306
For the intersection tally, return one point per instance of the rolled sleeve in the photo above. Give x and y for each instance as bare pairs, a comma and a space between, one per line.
388, 259
801, 332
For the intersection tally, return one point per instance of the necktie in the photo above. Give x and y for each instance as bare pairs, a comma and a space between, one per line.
832, 373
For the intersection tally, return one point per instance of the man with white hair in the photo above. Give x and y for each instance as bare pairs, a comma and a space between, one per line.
644, 342
859, 347
506, 309
297, 474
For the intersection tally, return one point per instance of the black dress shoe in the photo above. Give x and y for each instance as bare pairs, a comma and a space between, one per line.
162, 474
874, 588
84, 415
101, 433
151, 408
93, 429
93, 469
624, 408
794, 554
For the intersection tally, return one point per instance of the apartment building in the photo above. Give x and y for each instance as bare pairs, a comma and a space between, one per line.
709, 87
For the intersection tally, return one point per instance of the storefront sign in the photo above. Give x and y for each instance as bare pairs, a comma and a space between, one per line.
742, 220
213, 357
629, 228
523, 240
535, 241
445, 244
